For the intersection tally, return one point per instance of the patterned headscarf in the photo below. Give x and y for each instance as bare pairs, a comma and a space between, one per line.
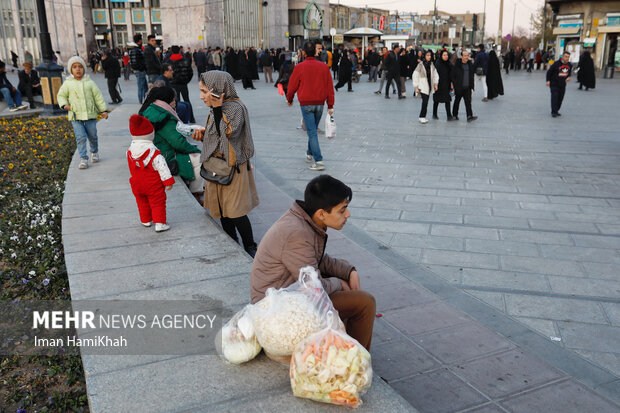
220, 82
235, 112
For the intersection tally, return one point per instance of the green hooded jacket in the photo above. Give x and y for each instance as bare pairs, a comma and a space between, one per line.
172, 145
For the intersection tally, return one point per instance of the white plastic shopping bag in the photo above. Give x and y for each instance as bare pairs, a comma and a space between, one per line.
330, 126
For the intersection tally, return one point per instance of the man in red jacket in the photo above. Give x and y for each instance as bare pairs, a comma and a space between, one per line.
313, 83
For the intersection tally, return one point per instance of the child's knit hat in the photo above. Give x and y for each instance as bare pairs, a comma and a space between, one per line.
75, 59
141, 128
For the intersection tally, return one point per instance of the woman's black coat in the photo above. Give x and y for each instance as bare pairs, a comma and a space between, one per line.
494, 77
443, 89
585, 76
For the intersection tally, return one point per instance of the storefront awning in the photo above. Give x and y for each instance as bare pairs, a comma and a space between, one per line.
566, 30
609, 29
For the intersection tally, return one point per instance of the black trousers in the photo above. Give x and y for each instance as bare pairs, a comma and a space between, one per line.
342, 79
181, 91
424, 107
29, 92
466, 96
388, 80
557, 96
241, 224
436, 106
113, 91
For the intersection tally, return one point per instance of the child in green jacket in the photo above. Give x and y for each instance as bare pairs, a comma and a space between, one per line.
82, 98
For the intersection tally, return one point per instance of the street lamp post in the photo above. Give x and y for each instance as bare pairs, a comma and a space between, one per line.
50, 72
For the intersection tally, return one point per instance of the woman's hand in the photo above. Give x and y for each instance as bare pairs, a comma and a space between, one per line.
198, 134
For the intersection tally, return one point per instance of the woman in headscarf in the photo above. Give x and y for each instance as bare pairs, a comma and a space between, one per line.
345, 71
425, 81
231, 60
182, 157
495, 85
228, 136
442, 95
585, 76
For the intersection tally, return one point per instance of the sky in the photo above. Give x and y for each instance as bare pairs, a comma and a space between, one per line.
522, 16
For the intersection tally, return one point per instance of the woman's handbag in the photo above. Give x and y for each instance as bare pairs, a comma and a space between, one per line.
216, 170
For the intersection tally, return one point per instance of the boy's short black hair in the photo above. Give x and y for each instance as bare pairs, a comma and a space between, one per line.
310, 48
325, 192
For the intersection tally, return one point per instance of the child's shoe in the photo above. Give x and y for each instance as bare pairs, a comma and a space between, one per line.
83, 164
146, 224
159, 227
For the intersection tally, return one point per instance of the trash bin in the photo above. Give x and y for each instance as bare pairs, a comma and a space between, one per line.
609, 72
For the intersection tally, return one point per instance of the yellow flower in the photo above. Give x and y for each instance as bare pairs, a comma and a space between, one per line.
11, 166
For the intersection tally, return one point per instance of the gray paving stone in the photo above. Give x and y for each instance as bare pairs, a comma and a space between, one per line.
493, 299
553, 398
585, 287
502, 247
463, 259
567, 226
427, 241
522, 213
464, 232
541, 265
590, 337
538, 237
610, 361
370, 213
506, 196
431, 217
461, 209
397, 359
504, 280
431, 199
397, 227
609, 229
498, 222
487, 408
493, 203
597, 241
453, 275
398, 295
583, 217
425, 317
581, 253
561, 309
465, 194
401, 205
546, 206
507, 373
462, 342
613, 313
542, 326
440, 391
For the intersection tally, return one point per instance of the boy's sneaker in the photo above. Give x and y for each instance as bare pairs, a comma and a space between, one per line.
146, 224
22, 107
317, 166
13, 109
159, 227
308, 158
94, 157
83, 164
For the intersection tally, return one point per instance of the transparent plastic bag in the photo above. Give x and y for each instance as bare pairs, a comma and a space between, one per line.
331, 367
287, 316
236, 342
187, 129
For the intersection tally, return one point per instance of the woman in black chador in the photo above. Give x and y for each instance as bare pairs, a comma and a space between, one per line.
494, 76
442, 95
585, 76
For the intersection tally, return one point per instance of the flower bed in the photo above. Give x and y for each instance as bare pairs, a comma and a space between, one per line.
34, 158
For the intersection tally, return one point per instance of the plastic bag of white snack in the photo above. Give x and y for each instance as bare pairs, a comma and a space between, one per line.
187, 129
236, 341
287, 316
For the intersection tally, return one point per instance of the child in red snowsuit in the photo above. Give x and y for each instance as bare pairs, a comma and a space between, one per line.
149, 174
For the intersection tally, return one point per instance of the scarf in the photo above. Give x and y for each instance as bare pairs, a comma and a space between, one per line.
167, 108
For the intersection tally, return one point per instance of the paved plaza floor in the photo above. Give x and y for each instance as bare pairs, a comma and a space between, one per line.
517, 209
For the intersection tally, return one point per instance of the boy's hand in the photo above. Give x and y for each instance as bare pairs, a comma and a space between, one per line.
67, 107
354, 281
104, 115
169, 187
345, 285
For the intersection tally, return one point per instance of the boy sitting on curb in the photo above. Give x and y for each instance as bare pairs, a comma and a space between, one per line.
299, 239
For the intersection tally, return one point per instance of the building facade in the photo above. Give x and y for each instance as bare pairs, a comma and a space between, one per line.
587, 25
